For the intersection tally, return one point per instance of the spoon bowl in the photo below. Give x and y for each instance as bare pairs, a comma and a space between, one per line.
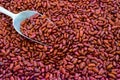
21, 17
18, 18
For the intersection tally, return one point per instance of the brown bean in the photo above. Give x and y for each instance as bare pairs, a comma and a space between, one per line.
109, 66
17, 67
12, 78
24, 49
91, 65
112, 75
82, 65
1, 32
47, 75
95, 69
11, 66
70, 66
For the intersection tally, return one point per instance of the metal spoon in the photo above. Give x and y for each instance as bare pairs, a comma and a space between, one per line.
18, 18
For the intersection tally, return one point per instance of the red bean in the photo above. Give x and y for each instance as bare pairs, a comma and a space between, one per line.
17, 67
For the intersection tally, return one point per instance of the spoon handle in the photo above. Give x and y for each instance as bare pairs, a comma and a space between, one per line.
5, 11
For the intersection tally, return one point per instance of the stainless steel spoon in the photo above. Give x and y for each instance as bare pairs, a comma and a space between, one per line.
18, 18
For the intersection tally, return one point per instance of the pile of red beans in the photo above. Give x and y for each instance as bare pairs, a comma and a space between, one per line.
84, 42
40, 28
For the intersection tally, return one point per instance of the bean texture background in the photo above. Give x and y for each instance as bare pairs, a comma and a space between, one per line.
85, 46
